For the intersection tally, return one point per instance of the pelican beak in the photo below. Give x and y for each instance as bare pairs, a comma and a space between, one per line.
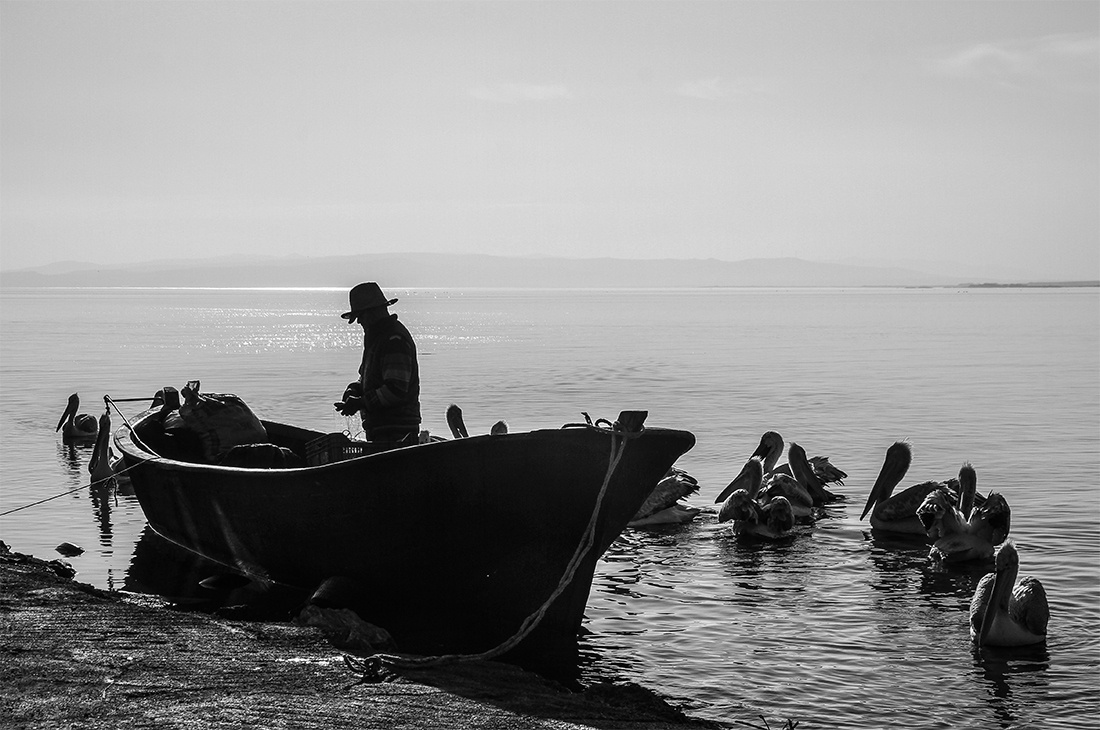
926, 517
990, 608
70, 410
741, 481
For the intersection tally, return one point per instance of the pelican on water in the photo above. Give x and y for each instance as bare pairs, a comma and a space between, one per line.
771, 520
771, 448
662, 506
74, 426
99, 466
959, 537
1005, 612
897, 512
813, 477
776, 484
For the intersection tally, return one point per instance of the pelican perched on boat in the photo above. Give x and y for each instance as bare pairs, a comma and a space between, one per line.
100, 466
76, 426
963, 534
457, 425
663, 506
897, 512
771, 520
1005, 612
455, 422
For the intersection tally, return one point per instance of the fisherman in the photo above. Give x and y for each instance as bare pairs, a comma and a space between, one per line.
387, 394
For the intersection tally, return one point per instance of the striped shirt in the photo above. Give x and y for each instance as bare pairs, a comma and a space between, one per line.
390, 376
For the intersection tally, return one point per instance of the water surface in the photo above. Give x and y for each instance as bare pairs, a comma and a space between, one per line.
836, 628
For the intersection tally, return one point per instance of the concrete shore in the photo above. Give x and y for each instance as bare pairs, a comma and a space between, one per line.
74, 656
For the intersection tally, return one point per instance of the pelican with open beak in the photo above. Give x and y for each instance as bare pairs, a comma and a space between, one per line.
76, 426
1005, 612
897, 512
959, 538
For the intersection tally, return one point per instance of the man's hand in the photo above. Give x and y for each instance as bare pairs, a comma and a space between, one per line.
349, 406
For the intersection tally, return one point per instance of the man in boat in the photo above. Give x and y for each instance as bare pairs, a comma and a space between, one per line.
387, 394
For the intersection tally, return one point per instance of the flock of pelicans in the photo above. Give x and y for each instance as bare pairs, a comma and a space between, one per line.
766, 501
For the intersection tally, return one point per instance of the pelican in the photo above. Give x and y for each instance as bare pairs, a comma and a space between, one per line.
808, 476
897, 513
662, 506
1005, 612
458, 425
455, 422
776, 484
771, 521
957, 537
74, 426
770, 449
787, 487
99, 466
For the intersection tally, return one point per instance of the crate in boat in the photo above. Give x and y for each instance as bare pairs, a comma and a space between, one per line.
333, 447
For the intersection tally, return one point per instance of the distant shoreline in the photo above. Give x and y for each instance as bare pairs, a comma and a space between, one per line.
483, 271
1034, 285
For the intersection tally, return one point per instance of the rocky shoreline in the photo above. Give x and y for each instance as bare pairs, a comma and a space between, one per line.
78, 656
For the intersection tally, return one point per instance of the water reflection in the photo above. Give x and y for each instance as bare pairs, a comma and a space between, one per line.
103, 494
1001, 669
73, 458
68, 456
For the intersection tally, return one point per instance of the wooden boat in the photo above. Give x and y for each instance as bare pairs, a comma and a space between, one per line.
451, 544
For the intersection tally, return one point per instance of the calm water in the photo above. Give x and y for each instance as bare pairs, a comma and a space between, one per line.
837, 628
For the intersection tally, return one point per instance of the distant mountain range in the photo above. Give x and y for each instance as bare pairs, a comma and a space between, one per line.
400, 270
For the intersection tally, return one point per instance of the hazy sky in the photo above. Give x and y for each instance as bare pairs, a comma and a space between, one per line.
953, 131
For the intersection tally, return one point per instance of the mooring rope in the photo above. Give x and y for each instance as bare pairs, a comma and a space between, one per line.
370, 668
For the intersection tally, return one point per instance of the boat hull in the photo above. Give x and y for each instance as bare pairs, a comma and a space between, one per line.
451, 545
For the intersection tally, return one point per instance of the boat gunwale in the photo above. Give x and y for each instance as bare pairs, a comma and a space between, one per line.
143, 454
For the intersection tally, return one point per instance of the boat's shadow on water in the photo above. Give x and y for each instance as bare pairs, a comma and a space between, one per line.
190, 582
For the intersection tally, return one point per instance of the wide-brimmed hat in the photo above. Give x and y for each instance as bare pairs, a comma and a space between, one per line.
367, 295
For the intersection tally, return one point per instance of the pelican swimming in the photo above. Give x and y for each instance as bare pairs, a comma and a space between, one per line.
776, 484
810, 478
770, 449
99, 466
772, 520
1005, 612
897, 512
662, 506
959, 538
74, 426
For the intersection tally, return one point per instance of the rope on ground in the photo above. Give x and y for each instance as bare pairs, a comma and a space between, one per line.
373, 666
